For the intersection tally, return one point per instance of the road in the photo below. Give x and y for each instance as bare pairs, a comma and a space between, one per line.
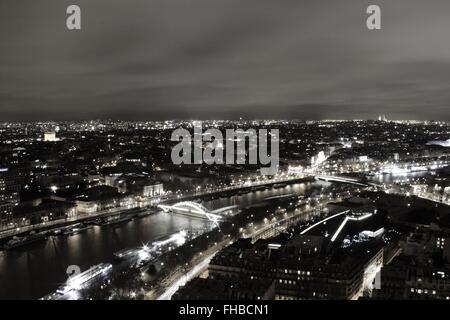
181, 281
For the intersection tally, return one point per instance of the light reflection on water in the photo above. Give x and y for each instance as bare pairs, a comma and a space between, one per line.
391, 178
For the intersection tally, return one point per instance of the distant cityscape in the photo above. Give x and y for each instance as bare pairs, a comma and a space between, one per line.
97, 210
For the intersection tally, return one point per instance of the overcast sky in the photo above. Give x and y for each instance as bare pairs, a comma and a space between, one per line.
159, 59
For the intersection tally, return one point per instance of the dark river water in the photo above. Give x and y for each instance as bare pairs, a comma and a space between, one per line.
391, 178
39, 269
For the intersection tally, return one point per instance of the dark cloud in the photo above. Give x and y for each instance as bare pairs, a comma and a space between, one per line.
159, 59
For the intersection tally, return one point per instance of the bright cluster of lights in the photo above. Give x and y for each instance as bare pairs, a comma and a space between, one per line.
76, 282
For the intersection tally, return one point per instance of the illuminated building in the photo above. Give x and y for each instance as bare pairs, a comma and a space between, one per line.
441, 143
5, 212
152, 190
9, 195
50, 137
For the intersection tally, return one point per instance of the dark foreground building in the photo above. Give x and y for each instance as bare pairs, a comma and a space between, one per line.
421, 271
289, 267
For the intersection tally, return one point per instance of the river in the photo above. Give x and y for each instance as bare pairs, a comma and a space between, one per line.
39, 269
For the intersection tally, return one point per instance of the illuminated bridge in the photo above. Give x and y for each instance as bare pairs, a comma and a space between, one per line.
347, 216
197, 210
342, 179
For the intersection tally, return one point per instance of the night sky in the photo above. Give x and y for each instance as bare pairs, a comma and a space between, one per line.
216, 59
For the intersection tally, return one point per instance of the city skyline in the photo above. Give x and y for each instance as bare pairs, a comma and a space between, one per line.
105, 210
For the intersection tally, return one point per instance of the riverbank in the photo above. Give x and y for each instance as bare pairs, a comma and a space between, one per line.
5, 235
